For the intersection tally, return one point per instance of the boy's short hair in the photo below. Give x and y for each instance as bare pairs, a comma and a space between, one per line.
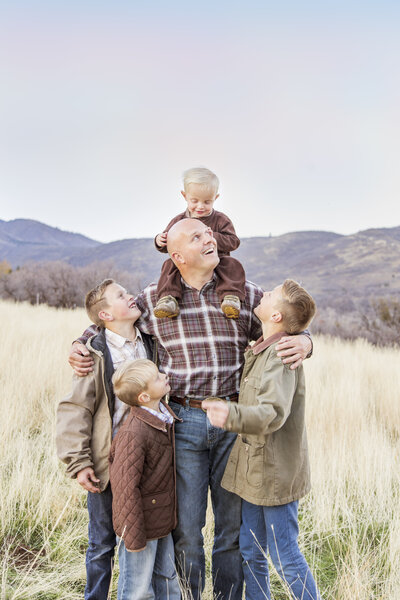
297, 307
132, 378
201, 176
95, 301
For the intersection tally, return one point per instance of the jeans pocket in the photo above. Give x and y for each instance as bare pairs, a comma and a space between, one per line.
178, 409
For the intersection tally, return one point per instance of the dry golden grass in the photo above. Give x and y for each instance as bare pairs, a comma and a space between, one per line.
350, 523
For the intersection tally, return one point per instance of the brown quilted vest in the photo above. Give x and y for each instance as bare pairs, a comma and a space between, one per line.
142, 475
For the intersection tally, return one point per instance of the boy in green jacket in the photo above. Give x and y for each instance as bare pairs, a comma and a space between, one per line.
268, 466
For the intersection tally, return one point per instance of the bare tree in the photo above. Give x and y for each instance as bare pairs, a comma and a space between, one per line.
60, 284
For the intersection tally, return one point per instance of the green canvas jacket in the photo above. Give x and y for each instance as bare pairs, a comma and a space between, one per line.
269, 463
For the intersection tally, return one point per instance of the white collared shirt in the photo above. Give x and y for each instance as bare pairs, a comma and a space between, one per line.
163, 414
121, 350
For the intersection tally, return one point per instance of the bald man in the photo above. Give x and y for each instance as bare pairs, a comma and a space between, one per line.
202, 353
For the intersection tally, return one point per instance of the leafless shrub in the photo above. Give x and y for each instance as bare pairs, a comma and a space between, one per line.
377, 320
60, 284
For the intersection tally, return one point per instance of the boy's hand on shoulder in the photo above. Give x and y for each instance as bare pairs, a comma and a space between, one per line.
80, 359
217, 411
293, 349
88, 480
161, 239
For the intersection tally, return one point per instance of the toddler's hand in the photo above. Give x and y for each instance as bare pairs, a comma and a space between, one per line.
161, 239
217, 411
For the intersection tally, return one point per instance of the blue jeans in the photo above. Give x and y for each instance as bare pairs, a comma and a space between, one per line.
149, 574
100, 552
276, 530
201, 455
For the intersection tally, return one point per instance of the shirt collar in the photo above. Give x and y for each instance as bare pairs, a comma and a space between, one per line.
165, 414
119, 340
262, 344
210, 283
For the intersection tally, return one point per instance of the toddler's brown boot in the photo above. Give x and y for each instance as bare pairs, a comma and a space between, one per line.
167, 306
231, 306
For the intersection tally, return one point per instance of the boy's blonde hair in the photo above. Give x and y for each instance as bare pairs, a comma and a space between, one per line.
297, 307
95, 301
132, 378
201, 176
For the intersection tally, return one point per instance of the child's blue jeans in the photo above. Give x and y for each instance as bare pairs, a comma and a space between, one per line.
149, 574
100, 552
275, 530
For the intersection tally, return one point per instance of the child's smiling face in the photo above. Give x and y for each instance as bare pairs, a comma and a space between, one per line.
121, 304
200, 200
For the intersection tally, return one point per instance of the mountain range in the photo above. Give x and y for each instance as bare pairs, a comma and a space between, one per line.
336, 269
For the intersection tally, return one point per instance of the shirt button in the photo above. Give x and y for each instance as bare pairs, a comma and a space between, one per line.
153, 501
245, 379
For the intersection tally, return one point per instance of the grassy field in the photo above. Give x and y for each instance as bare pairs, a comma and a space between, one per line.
350, 523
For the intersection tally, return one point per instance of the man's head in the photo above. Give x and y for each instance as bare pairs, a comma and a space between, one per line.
288, 306
139, 382
192, 247
110, 302
200, 190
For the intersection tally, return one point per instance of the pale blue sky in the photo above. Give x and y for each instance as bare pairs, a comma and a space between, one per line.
295, 106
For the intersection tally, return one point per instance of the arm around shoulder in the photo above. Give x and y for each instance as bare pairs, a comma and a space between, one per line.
293, 349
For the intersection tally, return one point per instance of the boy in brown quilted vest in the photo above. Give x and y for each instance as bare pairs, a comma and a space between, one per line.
142, 475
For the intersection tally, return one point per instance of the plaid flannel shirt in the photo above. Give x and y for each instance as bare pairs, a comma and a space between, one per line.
201, 350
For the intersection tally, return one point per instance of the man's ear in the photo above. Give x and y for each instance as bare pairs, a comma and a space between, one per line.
105, 316
177, 257
276, 317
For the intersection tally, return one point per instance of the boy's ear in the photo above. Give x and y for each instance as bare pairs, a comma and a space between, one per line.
143, 397
276, 317
217, 196
105, 316
183, 194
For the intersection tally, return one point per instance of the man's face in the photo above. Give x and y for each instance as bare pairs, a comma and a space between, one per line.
199, 199
121, 305
198, 247
268, 304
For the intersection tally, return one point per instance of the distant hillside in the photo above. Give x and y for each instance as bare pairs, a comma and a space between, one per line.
335, 268
23, 240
